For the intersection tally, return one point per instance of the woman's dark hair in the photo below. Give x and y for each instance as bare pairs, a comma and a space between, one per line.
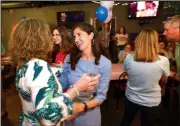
97, 48
55, 51
163, 39
65, 45
124, 32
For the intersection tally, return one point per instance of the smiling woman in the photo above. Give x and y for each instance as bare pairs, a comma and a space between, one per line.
87, 54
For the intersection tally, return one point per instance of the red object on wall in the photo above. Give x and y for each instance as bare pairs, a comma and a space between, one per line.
13, 26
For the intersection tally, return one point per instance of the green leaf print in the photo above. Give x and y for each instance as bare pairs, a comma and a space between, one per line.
44, 93
21, 119
37, 70
26, 95
31, 116
52, 83
20, 73
47, 92
68, 103
50, 112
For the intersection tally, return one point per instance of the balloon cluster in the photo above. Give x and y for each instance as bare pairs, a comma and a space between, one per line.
104, 12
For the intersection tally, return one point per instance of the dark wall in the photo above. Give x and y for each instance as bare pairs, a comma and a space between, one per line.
48, 14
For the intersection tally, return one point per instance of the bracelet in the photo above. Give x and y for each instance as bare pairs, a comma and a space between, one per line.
75, 90
86, 107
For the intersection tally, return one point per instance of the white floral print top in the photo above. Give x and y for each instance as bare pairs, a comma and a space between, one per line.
43, 102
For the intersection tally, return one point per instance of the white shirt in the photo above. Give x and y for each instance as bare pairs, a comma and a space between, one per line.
143, 80
118, 36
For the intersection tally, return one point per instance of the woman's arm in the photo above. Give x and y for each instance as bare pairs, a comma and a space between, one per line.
103, 86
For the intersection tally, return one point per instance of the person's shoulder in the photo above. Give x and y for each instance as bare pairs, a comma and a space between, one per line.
67, 58
163, 58
122, 51
105, 60
36, 60
129, 56
35, 63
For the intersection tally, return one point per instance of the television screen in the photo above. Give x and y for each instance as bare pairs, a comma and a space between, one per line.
70, 17
143, 9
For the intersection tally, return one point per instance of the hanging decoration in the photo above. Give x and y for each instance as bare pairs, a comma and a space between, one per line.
104, 12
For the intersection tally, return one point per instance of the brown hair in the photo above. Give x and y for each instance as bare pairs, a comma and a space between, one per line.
31, 38
146, 46
66, 43
97, 47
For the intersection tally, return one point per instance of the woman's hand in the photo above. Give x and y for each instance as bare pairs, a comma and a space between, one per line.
86, 83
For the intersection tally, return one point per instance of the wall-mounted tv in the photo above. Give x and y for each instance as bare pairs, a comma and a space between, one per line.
70, 18
143, 9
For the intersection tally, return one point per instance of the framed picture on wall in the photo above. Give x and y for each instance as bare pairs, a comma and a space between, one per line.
70, 18
99, 25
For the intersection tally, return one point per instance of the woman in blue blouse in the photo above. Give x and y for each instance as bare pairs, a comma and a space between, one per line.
86, 55
43, 102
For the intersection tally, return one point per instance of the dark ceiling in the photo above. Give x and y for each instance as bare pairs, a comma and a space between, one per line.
26, 4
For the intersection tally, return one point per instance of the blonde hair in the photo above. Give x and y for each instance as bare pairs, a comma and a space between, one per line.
174, 21
146, 46
31, 38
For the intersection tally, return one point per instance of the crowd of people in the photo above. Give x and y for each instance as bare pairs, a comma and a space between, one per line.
74, 96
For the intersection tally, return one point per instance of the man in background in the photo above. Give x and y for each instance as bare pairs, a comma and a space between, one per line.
172, 33
104, 35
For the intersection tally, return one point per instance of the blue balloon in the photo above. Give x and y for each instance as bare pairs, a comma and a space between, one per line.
101, 13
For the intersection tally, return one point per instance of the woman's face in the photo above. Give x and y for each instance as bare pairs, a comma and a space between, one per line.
161, 45
82, 39
127, 48
56, 37
121, 29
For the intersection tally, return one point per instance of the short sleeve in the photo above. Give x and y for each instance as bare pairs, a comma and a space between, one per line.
126, 36
116, 36
127, 61
103, 87
121, 53
165, 66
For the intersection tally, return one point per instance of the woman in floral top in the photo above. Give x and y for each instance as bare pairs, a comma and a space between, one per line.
43, 102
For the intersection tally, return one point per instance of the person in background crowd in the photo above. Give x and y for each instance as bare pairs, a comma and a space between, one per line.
170, 51
145, 68
121, 38
104, 35
172, 33
87, 57
43, 102
3, 98
62, 44
122, 54
162, 46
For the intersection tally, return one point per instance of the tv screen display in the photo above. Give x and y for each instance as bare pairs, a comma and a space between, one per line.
143, 9
70, 17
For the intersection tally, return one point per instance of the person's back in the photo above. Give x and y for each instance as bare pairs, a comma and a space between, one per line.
143, 77
145, 68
